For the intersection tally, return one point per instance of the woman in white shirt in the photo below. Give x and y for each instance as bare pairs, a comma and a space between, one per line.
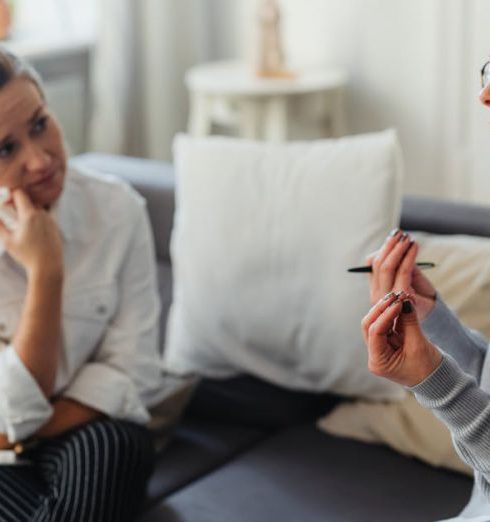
79, 315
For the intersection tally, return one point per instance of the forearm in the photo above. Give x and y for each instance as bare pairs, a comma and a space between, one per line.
4, 442
466, 346
68, 414
465, 408
38, 337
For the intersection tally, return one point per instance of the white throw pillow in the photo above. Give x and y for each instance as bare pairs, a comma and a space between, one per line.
262, 238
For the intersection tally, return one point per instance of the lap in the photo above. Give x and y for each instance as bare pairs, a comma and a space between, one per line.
96, 472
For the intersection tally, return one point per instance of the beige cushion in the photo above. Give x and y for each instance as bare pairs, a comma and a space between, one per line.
166, 414
403, 426
462, 277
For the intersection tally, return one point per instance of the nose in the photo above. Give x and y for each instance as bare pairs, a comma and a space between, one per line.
485, 95
36, 158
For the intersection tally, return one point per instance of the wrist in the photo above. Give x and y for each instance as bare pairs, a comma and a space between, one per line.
425, 306
52, 274
431, 363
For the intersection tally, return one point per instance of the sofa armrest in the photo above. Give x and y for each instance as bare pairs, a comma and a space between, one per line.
444, 217
154, 180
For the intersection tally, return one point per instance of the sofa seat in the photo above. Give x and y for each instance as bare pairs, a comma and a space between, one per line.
197, 448
302, 474
219, 471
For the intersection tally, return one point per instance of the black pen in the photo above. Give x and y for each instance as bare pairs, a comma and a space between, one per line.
367, 269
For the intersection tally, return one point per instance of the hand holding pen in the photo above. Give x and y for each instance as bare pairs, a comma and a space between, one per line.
394, 268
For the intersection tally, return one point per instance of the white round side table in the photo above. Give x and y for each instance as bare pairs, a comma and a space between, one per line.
230, 93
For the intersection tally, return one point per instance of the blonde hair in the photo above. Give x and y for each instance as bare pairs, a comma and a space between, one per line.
13, 67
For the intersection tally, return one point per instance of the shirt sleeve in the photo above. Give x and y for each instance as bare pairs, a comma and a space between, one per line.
464, 407
468, 347
124, 375
23, 406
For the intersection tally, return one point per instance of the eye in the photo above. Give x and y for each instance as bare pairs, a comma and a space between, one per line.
6, 149
40, 125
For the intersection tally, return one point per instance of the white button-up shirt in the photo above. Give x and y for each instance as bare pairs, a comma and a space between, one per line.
109, 358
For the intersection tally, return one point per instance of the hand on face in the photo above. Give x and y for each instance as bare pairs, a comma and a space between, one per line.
394, 268
397, 347
35, 243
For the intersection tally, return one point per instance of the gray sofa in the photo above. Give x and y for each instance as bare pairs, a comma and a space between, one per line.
220, 470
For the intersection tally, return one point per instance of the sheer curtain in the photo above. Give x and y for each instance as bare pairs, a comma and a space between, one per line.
144, 48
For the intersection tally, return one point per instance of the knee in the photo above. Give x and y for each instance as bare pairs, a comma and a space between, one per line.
121, 441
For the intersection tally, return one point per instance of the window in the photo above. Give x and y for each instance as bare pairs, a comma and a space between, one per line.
55, 19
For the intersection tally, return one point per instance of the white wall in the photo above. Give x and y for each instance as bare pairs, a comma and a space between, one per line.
413, 64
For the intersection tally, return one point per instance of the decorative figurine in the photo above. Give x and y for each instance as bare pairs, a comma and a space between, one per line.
5, 19
270, 55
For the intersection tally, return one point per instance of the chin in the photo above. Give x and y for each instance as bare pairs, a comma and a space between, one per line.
47, 198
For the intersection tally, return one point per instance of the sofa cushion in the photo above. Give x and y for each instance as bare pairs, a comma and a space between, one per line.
164, 274
303, 474
197, 448
461, 275
405, 426
262, 238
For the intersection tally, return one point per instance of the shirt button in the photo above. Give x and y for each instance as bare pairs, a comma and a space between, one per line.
101, 310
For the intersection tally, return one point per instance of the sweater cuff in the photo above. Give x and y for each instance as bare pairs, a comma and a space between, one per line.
439, 384
438, 318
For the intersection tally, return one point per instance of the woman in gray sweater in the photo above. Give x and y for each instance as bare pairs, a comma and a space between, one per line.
415, 340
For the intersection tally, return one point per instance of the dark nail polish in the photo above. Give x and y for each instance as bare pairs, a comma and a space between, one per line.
403, 237
394, 232
407, 307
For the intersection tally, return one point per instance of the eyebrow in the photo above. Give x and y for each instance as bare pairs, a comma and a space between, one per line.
31, 120
34, 117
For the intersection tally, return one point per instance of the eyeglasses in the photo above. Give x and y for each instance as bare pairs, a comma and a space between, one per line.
485, 75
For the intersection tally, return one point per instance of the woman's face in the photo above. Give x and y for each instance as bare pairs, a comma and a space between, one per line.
32, 153
485, 80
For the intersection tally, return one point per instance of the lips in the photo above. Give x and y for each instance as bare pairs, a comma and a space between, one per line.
44, 180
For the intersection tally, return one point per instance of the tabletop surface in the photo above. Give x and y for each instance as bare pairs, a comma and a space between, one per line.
238, 78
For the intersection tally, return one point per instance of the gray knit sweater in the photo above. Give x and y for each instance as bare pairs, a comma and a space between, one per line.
458, 393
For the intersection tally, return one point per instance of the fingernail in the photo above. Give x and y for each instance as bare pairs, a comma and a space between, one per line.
407, 307
388, 296
399, 294
394, 232
403, 237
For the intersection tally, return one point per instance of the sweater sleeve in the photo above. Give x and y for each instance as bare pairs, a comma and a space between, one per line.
468, 347
464, 407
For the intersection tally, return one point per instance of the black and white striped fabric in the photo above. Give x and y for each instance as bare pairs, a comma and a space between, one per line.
95, 473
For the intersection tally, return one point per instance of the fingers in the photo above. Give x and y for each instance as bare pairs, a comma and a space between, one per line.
22, 203
390, 242
377, 310
406, 267
386, 265
408, 318
4, 233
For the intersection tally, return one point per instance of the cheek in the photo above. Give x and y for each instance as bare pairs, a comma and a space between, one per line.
57, 143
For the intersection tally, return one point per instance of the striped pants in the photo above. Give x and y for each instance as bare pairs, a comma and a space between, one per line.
95, 473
